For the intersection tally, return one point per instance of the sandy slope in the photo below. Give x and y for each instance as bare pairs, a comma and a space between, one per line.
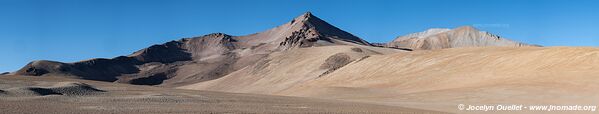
122, 98
554, 75
285, 69
437, 79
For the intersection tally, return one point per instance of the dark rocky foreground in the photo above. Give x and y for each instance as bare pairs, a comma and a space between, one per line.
56, 94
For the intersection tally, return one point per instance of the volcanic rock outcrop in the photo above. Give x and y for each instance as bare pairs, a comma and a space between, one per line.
61, 88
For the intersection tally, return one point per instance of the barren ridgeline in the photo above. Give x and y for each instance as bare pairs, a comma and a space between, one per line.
334, 71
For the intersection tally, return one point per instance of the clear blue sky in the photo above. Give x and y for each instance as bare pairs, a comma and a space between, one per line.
73, 30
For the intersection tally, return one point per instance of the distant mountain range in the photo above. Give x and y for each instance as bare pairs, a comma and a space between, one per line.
440, 38
198, 59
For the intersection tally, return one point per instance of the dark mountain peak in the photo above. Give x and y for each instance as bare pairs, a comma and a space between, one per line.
307, 15
309, 29
310, 19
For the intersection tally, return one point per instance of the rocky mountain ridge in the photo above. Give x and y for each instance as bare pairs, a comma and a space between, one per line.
197, 59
